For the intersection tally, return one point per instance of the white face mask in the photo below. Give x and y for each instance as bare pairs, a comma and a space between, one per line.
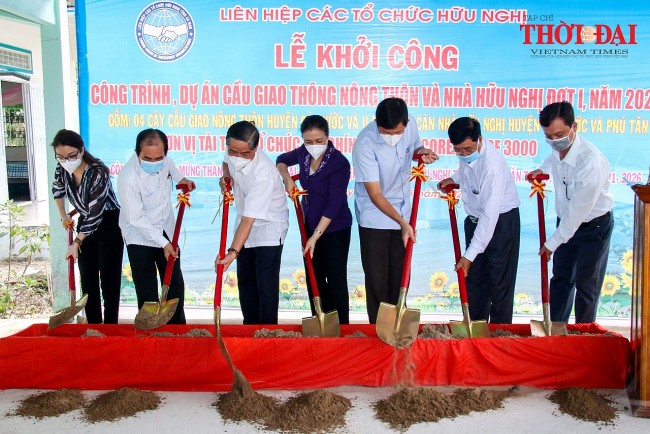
71, 166
316, 150
391, 140
239, 163
562, 143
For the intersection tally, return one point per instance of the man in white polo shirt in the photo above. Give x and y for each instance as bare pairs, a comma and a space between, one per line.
261, 225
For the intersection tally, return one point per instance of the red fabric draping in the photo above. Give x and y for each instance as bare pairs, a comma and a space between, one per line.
127, 357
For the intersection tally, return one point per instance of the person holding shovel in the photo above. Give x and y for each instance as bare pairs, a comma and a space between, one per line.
85, 181
324, 174
583, 205
147, 220
492, 227
382, 159
261, 224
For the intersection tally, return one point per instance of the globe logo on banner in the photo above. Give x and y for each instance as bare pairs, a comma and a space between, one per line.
165, 31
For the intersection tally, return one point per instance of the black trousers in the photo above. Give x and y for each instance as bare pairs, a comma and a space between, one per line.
491, 278
579, 267
382, 259
331, 269
258, 276
100, 266
145, 262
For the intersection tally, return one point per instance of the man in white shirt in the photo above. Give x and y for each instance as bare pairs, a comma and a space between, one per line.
583, 205
147, 220
382, 159
492, 227
261, 225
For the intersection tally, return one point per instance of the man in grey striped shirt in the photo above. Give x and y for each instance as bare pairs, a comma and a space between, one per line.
147, 218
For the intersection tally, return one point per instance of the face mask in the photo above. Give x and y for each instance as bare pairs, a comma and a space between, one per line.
562, 143
71, 166
238, 162
469, 158
316, 150
152, 167
391, 140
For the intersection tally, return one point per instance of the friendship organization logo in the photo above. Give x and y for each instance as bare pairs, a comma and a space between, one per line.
165, 31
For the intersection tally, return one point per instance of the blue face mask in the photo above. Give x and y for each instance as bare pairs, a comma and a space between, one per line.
152, 167
469, 158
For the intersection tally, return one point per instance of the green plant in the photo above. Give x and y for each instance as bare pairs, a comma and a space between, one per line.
33, 240
9, 215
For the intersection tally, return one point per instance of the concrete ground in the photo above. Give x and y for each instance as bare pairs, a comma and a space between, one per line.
528, 411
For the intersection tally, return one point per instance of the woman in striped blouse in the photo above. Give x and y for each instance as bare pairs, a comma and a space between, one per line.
98, 246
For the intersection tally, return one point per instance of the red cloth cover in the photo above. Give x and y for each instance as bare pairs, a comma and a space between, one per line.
127, 357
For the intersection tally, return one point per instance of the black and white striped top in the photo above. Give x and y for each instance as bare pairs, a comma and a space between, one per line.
91, 198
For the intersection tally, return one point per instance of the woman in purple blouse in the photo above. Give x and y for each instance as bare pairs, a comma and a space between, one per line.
324, 173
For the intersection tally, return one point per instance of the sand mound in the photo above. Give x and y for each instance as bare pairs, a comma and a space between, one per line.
51, 403
121, 403
584, 404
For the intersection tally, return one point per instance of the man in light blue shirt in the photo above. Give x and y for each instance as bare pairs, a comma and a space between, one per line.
382, 159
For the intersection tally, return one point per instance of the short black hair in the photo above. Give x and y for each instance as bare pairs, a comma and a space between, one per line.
315, 122
391, 112
148, 134
244, 131
462, 129
562, 110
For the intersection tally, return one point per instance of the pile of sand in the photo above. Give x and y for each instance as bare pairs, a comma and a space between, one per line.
436, 331
121, 403
414, 405
193, 333
52, 403
317, 411
584, 404
92, 333
276, 333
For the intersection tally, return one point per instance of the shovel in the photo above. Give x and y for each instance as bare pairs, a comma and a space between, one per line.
68, 313
466, 327
324, 325
546, 327
398, 326
239, 385
153, 314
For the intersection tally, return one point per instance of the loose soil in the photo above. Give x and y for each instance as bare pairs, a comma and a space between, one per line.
356, 334
317, 411
92, 333
500, 333
584, 404
53, 403
436, 331
193, 333
414, 405
27, 289
276, 333
121, 403
145, 320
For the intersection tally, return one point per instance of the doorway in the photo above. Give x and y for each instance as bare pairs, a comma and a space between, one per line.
14, 129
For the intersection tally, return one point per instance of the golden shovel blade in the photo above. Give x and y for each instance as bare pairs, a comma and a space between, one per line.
153, 315
321, 325
547, 327
64, 315
398, 326
467, 328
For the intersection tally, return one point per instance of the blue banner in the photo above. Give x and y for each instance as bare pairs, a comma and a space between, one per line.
193, 67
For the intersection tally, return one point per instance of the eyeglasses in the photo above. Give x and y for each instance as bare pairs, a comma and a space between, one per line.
68, 158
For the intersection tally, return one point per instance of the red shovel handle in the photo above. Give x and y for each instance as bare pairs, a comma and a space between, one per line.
303, 238
542, 238
462, 286
408, 256
177, 230
72, 285
218, 284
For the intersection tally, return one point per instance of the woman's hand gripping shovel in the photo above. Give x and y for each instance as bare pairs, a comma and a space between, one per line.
546, 327
239, 385
323, 324
64, 315
466, 327
398, 326
154, 314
